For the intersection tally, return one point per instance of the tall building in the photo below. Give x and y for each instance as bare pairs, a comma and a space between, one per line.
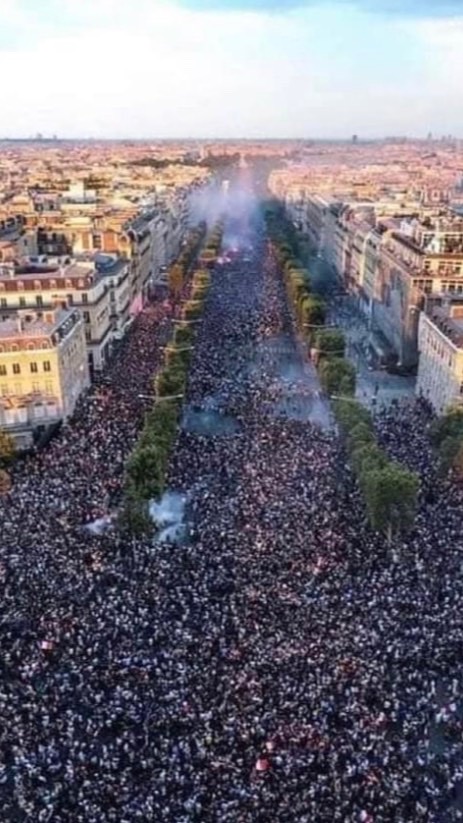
43, 369
440, 342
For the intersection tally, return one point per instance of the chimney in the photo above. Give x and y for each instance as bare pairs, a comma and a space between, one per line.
19, 323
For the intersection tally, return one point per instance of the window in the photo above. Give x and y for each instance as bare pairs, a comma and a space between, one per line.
39, 300
34, 368
22, 302
4, 390
48, 387
35, 386
70, 298
87, 316
3, 371
16, 368
3, 302
85, 298
46, 365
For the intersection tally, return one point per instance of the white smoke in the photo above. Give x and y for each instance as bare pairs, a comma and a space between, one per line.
168, 514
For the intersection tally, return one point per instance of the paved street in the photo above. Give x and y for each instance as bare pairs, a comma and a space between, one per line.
372, 383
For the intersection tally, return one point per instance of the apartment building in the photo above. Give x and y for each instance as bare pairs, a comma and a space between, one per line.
43, 369
390, 263
39, 288
440, 342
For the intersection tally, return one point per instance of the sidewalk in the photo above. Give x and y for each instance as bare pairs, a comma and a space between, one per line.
374, 386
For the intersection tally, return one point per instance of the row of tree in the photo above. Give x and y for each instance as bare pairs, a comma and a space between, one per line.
447, 439
7, 455
389, 490
215, 162
328, 346
180, 270
146, 469
212, 246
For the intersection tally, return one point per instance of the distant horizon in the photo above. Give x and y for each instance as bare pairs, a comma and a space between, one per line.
359, 139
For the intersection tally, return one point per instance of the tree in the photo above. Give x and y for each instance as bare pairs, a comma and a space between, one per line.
162, 420
177, 357
337, 376
391, 495
5, 482
192, 309
449, 425
451, 455
146, 471
349, 413
330, 343
7, 448
134, 514
360, 435
201, 278
296, 287
365, 458
176, 279
312, 312
170, 381
183, 335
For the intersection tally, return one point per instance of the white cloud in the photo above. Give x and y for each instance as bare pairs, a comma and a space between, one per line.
101, 68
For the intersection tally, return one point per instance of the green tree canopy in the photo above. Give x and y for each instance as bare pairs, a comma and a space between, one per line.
183, 335
391, 496
337, 376
170, 381
330, 342
145, 469
312, 311
449, 425
367, 457
176, 278
360, 435
134, 514
7, 448
349, 413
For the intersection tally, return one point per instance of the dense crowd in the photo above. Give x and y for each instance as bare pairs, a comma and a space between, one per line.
283, 664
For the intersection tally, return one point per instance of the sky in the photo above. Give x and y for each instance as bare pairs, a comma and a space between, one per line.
231, 68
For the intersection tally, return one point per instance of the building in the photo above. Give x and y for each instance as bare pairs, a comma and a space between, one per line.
440, 342
43, 370
79, 284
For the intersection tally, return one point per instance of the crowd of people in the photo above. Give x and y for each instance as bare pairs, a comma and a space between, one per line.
281, 664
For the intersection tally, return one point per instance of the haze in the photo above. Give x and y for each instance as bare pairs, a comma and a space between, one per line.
230, 69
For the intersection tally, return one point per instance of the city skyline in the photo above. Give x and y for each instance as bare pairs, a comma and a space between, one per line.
225, 69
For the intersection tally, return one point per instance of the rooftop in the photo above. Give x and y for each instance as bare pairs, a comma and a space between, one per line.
54, 324
446, 313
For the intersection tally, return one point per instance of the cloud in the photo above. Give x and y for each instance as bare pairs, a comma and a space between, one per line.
415, 8
167, 70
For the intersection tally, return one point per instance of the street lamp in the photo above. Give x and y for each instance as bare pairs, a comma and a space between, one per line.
188, 322
344, 397
169, 397
173, 347
157, 400
318, 326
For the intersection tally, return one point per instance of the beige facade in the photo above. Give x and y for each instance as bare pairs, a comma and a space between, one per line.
440, 341
43, 369
78, 285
